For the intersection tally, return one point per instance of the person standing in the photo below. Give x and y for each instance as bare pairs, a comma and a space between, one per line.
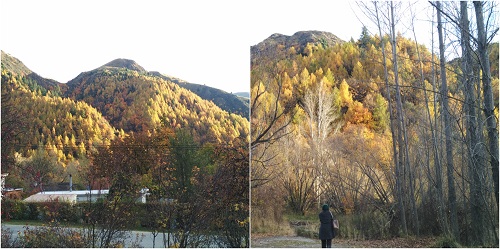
326, 231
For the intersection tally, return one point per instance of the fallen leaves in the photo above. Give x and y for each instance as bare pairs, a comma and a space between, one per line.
410, 242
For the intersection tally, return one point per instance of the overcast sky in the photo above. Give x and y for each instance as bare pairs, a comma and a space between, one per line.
204, 42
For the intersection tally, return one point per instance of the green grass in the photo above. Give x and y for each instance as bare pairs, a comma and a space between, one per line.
309, 217
24, 222
40, 223
304, 225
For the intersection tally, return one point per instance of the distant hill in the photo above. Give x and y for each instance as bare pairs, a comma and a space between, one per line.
226, 101
243, 94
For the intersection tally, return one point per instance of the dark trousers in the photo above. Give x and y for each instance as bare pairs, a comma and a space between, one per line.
326, 243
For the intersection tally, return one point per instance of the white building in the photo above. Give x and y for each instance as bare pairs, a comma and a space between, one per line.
77, 196
68, 196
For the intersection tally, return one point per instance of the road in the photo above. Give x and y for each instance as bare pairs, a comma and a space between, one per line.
146, 242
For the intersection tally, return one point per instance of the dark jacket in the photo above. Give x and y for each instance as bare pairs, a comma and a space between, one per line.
326, 228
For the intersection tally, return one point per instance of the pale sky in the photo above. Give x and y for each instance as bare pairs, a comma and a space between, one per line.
204, 42
200, 41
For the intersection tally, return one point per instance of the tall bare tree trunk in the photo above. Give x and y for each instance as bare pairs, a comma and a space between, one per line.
450, 167
489, 106
399, 118
444, 93
399, 194
471, 122
469, 105
422, 81
437, 154
491, 127
452, 198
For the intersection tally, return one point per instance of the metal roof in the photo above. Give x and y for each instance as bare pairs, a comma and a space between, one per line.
68, 196
51, 197
76, 192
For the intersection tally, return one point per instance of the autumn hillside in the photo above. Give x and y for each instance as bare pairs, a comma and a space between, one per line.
135, 100
91, 110
331, 122
33, 116
227, 101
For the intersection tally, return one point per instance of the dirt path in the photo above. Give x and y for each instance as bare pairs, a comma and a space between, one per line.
289, 242
303, 242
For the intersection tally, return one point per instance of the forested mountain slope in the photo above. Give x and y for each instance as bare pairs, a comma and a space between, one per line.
12, 64
92, 109
227, 101
33, 116
134, 100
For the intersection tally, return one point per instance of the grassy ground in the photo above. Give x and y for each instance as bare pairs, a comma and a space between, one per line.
269, 227
24, 222
304, 226
290, 225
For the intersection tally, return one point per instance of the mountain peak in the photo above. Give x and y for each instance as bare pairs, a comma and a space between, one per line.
125, 63
299, 40
316, 36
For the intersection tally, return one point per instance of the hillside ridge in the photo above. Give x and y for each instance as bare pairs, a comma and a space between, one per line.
227, 101
299, 40
14, 65
124, 63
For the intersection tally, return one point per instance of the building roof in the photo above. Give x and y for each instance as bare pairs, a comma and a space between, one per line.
76, 192
68, 196
51, 197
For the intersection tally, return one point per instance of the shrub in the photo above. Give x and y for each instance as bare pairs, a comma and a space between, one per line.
267, 212
46, 237
32, 211
308, 232
58, 211
372, 225
17, 210
44, 211
367, 225
446, 242
428, 217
